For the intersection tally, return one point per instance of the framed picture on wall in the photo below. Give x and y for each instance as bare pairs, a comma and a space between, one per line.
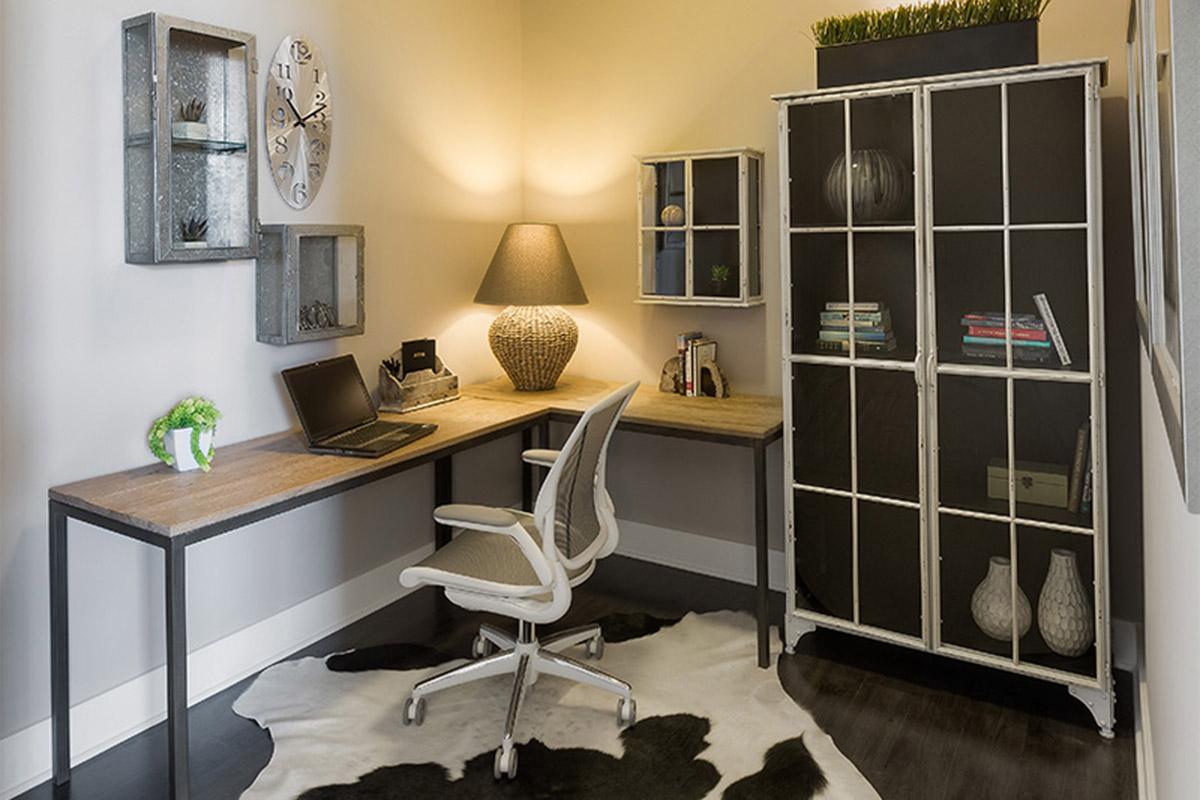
1164, 131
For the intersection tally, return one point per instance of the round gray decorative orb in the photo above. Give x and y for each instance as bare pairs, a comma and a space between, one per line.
879, 185
992, 603
1064, 611
672, 216
533, 344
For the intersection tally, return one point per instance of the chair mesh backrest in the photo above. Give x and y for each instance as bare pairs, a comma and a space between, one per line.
576, 517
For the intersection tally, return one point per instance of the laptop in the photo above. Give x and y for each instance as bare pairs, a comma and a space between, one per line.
336, 412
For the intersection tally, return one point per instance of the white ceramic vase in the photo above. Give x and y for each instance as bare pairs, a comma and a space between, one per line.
1064, 609
992, 605
178, 442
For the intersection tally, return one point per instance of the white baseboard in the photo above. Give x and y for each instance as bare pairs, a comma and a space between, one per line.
110, 718
718, 558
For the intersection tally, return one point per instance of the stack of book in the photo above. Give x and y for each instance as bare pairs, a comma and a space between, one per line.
695, 352
1035, 337
872, 328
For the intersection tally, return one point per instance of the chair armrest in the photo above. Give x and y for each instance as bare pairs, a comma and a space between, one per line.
476, 518
541, 458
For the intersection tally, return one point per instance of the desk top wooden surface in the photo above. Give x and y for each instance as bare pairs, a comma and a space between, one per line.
259, 473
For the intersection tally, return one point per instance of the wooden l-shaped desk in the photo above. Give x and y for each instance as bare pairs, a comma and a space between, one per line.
262, 477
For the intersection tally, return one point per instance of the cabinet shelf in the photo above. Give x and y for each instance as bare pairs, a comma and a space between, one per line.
212, 145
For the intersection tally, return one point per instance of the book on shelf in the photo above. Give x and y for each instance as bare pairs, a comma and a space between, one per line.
703, 351
988, 341
841, 305
843, 346
1043, 307
859, 335
994, 353
1078, 468
1085, 502
683, 347
862, 319
997, 332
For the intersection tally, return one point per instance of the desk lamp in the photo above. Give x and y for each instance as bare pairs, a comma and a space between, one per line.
532, 273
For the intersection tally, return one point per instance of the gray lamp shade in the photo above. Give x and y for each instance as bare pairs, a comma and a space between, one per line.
531, 267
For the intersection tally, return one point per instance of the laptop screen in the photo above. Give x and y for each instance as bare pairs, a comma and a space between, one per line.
330, 397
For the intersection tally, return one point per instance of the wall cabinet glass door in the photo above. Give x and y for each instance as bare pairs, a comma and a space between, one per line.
944, 384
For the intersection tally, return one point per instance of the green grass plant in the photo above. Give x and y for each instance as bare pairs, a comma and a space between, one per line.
911, 20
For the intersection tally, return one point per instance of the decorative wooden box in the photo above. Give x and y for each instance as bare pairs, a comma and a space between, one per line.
420, 389
309, 282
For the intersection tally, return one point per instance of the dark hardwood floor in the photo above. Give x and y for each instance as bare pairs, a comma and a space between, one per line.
916, 726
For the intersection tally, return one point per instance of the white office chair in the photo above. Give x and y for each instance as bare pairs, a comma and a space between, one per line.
523, 566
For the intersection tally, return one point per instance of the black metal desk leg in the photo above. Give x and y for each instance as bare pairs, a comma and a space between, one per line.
443, 493
177, 654
761, 554
60, 669
526, 471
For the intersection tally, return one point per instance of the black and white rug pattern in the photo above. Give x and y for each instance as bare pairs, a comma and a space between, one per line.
711, 724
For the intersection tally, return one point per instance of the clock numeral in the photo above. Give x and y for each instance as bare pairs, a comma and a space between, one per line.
284, 70
279, 115
284, 92
318, 123
319, 97
316, 74
301, 52
285, 171
316, 148
281, 144
300, 192
314, 170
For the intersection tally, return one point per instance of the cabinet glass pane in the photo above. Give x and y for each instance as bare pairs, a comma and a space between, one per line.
664, 194
1056, 572
975, 584
819, 276
816, 145
969, 287
716, 261
821, 418
1048, 420
1047, 176
1053, 263
885, 273
664, 263
889, 567
328, 282
209, 203
715, 191
824, 557
886, 403
753, 244
967, 154
881, 161
972, 437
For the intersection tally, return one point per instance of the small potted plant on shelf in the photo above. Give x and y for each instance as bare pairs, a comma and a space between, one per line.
929, 39
719, 275
183, 437
193, 231
189, 125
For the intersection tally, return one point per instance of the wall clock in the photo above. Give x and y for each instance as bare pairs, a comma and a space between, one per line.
298, 119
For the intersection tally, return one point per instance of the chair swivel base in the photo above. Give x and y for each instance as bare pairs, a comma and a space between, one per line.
526, 659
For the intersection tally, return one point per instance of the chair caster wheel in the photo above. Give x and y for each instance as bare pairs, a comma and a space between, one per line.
595, 647
505, 763
414, 711
481, 647
626, 712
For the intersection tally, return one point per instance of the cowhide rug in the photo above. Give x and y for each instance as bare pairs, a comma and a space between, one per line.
710, 724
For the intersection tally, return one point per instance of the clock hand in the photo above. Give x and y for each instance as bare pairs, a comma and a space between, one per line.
298, 121
312, 113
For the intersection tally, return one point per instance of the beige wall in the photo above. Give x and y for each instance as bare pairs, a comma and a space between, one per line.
605, 81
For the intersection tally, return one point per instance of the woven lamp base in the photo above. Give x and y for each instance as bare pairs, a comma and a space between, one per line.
533, 344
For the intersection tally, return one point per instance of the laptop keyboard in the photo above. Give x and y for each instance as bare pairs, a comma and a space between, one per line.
368, 434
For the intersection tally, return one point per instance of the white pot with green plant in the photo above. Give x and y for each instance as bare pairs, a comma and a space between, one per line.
183, 437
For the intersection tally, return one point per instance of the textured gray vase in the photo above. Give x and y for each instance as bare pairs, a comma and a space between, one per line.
1064, 609
879, 185
992, 606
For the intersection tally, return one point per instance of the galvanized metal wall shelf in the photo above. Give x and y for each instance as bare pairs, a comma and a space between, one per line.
204, 171
699, 228
935, 198
309, 283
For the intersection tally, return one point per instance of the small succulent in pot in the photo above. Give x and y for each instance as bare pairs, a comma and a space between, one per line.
193, 230
720, 277
192, 110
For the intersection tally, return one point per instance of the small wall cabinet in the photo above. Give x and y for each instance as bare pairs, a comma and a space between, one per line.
944, 360
699, 228
190, 157
309, 283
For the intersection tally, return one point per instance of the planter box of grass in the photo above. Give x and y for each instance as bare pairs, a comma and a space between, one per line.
935, 39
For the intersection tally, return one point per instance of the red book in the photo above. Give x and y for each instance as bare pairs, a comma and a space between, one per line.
998, 333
